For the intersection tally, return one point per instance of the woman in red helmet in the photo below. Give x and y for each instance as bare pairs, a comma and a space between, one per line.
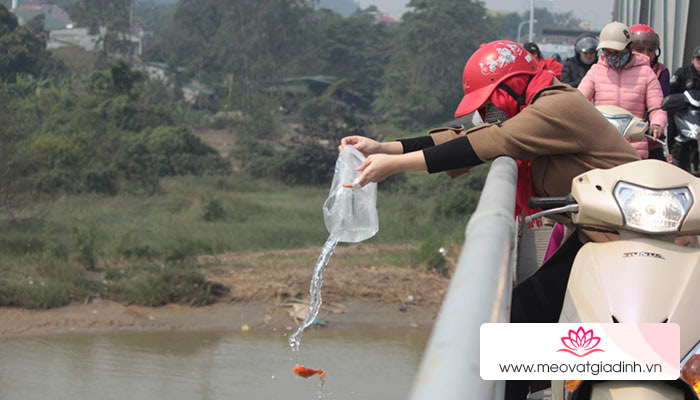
531, 116
646, 41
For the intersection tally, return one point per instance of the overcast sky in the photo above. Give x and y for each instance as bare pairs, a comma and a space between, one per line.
596, 11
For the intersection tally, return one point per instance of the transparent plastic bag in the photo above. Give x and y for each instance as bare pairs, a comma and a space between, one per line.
350, 214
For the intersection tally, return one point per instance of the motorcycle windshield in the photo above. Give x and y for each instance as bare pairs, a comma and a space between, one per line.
692, 97
688, 122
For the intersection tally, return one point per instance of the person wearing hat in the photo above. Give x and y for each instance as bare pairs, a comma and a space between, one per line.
624, 78
548, 63
576, 67
685, 78
554, 132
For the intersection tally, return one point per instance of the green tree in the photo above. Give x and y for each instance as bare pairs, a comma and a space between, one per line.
21, 51
356, 49
112, 15
36, 24
254, 43
432, 44
8, 21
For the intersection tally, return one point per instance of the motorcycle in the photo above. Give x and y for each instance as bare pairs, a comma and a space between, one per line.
644, 277
631, 127
649, 203
686, 115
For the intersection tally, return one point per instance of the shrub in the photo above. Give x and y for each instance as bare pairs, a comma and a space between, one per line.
213, 210
310, 164
329, 119
102, 180
85, 242
154, 286
429, 254
458, 201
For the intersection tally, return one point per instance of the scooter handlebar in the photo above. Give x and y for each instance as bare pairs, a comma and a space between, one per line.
547, 203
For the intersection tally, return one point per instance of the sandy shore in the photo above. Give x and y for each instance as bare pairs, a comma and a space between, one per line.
103, 316
267, 290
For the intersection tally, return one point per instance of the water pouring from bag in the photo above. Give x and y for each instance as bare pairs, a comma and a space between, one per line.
350, 216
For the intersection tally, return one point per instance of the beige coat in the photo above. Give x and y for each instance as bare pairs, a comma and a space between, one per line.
560, 132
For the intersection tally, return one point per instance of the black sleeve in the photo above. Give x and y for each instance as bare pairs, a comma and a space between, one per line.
677, 81
417, 143
566, 74
454, 154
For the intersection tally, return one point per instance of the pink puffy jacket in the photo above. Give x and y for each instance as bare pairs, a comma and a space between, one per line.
635, 88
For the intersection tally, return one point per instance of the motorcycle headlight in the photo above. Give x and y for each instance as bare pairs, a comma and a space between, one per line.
651, 210
690, 369
619, 122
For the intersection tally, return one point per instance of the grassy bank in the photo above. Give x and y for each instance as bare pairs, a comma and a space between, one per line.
141, 249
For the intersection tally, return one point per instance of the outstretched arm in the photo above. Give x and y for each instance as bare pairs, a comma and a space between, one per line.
368, 146
379, 166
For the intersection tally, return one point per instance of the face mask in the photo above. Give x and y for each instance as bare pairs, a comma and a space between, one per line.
587, 61
617, 60
493, 114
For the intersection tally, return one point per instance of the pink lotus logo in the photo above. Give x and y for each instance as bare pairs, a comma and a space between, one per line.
580, 342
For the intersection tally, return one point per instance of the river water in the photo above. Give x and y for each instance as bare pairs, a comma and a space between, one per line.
363, 364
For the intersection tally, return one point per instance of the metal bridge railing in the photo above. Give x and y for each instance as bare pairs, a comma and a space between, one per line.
479, 292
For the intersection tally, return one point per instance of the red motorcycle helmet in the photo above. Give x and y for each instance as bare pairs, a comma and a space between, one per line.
645, 35
490, 65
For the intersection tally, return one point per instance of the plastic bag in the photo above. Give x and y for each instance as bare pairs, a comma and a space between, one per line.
350, 214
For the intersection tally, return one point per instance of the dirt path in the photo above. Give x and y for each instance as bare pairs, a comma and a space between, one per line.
268, 290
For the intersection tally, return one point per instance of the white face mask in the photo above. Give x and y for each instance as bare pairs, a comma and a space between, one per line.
587, 61
476, 119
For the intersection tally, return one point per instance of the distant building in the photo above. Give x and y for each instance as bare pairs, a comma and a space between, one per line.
54, 16
155, 70
196, 93
380, 17
80, 37
158, 70
343, 7
193, 92
550, 49
385, 19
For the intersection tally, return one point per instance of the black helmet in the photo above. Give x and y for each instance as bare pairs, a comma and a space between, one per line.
533, 48
586, 43
696, 52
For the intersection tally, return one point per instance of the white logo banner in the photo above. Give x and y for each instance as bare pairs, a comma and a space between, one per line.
580, 351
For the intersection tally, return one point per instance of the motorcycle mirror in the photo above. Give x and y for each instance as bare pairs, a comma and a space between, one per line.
692, 97
673, 102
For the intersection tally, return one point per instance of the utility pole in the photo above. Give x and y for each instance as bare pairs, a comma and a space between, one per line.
532, 19
15, 4
131, 17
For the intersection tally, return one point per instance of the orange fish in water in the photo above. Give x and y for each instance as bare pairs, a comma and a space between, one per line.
308, 372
